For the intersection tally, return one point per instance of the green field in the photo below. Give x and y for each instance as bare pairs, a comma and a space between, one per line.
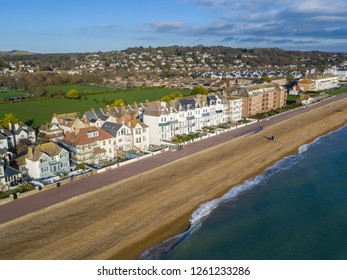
11, 93
83, 89
38, 112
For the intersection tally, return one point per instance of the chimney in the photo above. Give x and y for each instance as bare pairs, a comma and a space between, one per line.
30, 153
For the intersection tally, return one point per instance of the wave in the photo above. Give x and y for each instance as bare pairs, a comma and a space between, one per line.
203, 212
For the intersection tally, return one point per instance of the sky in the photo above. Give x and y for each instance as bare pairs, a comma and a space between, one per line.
63, 26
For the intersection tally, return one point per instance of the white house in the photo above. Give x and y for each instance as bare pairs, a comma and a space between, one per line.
140, 135
6, 139
22, 132
9, 176
123, 139
44, 161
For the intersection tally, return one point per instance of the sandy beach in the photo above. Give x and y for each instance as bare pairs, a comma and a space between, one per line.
122, 220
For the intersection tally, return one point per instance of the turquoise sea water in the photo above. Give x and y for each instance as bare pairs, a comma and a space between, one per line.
297, 209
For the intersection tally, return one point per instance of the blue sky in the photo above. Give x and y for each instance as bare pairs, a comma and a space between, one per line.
49, 26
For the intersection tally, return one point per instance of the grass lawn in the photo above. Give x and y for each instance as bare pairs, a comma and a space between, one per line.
292, 98
337, 92
11, 93
83, 89
38, 112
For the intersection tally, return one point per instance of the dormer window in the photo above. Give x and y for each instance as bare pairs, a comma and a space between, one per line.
92, 134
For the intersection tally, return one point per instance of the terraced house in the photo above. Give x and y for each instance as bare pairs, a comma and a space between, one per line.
184, 115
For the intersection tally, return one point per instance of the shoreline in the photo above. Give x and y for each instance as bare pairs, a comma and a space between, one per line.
164, 249
124, 219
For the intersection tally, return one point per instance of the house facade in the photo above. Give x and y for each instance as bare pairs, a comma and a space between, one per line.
235, 108
69, 122
44, 161
9, 176
122, 136
6, 139
90, 145
184, 115
22, 132
316, 84
50, 132
257, 99
140, 135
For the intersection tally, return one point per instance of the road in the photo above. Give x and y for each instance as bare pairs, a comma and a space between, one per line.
20, 207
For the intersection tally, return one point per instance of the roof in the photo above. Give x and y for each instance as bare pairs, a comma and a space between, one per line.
100, 114
81, 137
187, 103
155, 109
50, 127
134, 123
253, 90
5, 132
91, 116
111, 128
50, 149
10, 171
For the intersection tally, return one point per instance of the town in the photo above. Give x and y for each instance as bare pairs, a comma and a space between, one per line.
73, 145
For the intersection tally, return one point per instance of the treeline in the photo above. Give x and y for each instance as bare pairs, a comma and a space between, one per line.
38, 82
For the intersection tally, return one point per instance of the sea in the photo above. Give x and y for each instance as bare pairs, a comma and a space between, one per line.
295, 210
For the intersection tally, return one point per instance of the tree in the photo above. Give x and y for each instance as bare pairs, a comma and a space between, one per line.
73, 94
118, 103
199, 90
290, 79
175, 95
166, 98
265, 79
8, 119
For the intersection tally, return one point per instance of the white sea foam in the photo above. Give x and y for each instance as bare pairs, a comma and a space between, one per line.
205, 209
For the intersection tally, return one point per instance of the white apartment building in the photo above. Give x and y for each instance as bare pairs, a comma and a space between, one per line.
235, 108
324, 83
184, 115
341, 73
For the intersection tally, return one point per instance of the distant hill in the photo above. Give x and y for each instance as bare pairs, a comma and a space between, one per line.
15, 52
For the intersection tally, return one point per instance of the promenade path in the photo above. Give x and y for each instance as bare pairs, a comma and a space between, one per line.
21, 207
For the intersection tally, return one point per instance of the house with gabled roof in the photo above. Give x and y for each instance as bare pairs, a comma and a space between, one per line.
97, 117
140, 134
90, 145
69, 122
44, 161
123, 138
50, 132
6, 139
22, 132
9, 176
